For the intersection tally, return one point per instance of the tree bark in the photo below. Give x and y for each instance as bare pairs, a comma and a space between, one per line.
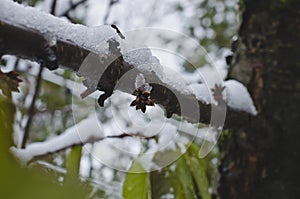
261, 159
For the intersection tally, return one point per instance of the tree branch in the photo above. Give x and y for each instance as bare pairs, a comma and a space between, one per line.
29, 41
29, 155
32, 45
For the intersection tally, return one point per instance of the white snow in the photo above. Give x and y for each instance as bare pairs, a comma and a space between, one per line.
174, 80
141, 82
53, 27
85, 131
191, 129
202, 93
238, 97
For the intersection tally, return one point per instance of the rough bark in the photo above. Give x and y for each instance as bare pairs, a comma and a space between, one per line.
261, 159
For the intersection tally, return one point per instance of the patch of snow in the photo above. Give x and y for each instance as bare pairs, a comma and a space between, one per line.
140, 57
191, 129
167, 196
141, 82
202, 93
50, 25
238, 97
174, 80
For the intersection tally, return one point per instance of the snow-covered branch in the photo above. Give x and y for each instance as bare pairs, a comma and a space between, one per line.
54, 42
39, 36
84, 132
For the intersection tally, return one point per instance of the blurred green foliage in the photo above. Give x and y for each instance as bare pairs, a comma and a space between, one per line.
188, 177
137, 185
17, 182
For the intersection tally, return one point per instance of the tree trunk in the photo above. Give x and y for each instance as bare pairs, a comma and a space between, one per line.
261, 159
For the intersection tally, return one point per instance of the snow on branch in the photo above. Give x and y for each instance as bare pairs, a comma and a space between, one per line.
84, 132
54, 42
42, 37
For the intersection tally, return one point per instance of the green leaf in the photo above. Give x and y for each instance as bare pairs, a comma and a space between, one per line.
136, 185
179, 194
199, 168
200, 177
163, 182
7, 116
185, 178
73, 163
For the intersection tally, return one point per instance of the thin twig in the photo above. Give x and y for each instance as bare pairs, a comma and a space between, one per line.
71, 8
131, 135
108, 11
16, 64
70, 18
93, 140
53, 7
31, 110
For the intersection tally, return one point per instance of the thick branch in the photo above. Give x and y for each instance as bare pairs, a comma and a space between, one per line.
31, 44
29, 41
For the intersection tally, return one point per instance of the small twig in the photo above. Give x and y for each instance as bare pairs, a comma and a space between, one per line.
131, 135
91, 160
108, 11
16, 65
31, 110
118, 31
92, 140
70, 18
71, 8
53, 7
